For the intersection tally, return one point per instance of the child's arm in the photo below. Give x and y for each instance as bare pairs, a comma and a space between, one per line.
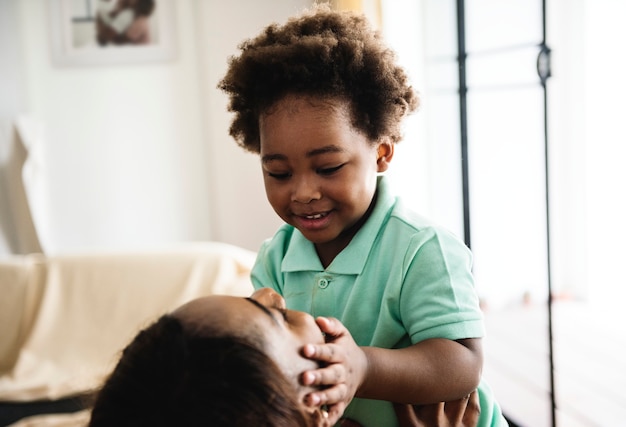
434, 370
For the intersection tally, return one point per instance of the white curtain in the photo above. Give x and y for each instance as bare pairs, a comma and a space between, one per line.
25, 188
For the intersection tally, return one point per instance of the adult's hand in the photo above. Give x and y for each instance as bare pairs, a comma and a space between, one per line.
459, 413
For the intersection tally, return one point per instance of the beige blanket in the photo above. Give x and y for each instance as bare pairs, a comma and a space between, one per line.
64, 319
77, 419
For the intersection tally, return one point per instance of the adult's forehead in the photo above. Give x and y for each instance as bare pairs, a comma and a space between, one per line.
206, 311
219, 315
198, 305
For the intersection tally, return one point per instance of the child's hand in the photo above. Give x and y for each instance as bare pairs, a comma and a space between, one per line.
345, 365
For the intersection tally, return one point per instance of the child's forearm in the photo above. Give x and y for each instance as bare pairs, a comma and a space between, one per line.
435, 370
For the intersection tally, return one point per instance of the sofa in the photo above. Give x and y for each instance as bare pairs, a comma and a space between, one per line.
64, 319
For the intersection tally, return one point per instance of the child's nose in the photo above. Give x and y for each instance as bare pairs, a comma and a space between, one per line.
305, 190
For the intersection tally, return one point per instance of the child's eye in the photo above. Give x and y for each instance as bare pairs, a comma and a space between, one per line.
279, 176
330, 171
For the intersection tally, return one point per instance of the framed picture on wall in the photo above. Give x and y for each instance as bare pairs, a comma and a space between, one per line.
109, 32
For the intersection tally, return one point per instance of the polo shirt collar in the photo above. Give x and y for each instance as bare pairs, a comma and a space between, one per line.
301, 254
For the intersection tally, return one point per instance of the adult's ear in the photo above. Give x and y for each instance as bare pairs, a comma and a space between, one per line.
319, 417
385, 154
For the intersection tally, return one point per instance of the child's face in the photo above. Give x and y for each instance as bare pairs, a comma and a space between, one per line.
319, 171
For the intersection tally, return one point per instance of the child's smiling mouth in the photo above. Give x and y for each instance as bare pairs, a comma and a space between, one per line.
312, 221
316, 216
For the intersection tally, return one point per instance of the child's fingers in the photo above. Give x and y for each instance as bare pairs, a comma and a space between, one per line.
331, 326
327, 353
331, 396
329, 375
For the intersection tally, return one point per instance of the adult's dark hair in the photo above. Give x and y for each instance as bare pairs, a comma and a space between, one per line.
169, 377
322, 53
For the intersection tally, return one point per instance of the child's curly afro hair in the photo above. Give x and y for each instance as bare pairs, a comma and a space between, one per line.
325, 54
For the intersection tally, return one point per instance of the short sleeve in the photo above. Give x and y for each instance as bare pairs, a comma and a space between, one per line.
264, 272
438, 298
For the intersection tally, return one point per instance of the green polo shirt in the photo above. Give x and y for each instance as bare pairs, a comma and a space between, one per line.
401, 280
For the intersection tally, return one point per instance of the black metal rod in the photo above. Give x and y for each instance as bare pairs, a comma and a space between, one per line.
462, 55
543, 68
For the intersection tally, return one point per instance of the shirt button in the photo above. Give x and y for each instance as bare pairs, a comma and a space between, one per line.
323, 283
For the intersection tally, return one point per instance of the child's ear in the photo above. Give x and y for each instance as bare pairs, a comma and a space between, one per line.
385, 154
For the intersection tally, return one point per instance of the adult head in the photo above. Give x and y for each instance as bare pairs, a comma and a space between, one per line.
217, 360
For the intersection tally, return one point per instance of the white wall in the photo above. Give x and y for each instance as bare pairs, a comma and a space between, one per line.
123, 149
11, 100
240, 211
139, 155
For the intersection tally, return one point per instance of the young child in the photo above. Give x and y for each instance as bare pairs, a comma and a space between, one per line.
321, 99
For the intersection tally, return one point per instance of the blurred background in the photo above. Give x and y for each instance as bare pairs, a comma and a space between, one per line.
110, 148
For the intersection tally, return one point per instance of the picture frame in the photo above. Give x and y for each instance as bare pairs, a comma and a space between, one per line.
93, 32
